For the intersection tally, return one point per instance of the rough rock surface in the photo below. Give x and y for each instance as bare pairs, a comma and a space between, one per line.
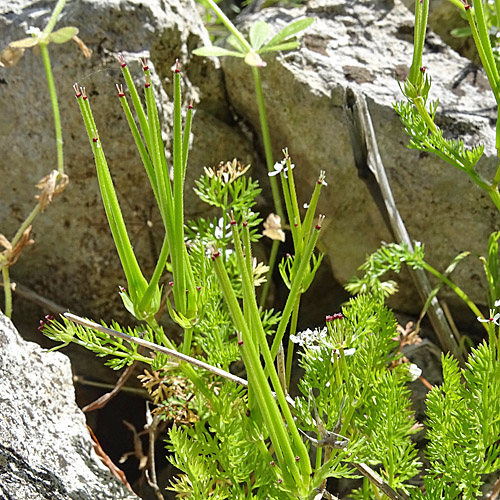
367, 45
73, 261
45, 447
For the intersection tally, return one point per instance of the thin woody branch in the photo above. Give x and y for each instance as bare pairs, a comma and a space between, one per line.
155, 347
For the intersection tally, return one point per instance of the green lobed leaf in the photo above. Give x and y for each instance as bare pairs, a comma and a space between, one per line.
280, 46
290, 30
258, 34
216, 52
63, 35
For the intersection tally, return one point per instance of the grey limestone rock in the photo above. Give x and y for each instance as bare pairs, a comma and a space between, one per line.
367, 45
45, 447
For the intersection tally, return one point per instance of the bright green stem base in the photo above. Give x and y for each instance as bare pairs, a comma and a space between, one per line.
7, 291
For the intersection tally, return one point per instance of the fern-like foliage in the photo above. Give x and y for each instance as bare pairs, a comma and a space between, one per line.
389, 257
118, 352
452, 151
464, 424
224, 455
376, 405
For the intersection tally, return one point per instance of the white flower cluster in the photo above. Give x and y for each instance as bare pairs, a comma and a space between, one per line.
313, 340
309, 338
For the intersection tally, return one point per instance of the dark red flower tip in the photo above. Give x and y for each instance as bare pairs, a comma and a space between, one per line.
247, 412
467, 6
121, 288
280, 480
77, 90
147, 85
187, 291
297, 459
240, 342
49, 317
122, 60
177, 70
233, 223
296, 224
94, 139
171, 283
423, 69
333, 317
245, 223
318, 227
271, 463
216, 254
288, 256
198, 288
85, 97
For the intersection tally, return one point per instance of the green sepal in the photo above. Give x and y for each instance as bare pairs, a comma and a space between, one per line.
179, 318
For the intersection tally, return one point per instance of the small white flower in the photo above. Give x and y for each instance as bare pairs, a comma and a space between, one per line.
281, 166
219, 229
33, 30
278, 168
306, 205
494, 318
414, 372
497, 303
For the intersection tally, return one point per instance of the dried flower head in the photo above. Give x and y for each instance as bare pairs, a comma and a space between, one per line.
227, 172
52, 185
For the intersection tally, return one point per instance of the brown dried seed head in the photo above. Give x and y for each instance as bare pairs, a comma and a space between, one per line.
52, 185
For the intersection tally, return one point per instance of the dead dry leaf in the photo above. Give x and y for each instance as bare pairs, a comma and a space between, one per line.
11, 56
87, 53
11, 253
117, 472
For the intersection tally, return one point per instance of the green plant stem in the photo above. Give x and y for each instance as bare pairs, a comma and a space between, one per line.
456, 289
419, 104
55, 106
266, 138
25, 225
421, 13
485, 41
229, 25
257, 379
53, 17
294, 292
293, 331
7, 291
495, 196
272, 262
